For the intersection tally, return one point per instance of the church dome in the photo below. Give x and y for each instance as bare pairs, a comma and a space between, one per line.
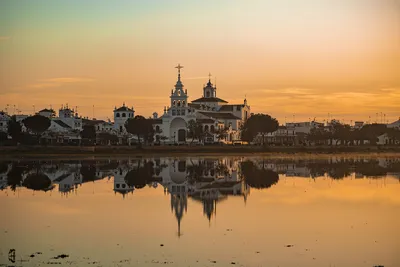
178, 177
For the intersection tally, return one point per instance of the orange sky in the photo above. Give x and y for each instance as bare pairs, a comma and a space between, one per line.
289, 57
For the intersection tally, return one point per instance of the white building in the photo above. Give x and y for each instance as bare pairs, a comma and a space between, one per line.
70, 117
304, 127
211, 111
121, 115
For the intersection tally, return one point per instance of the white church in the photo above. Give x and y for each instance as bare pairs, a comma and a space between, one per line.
212, 112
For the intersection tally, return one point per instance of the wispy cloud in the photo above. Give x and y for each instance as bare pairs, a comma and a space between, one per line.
57, 82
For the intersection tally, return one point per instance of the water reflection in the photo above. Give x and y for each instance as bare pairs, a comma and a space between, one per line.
210, 182
200, 178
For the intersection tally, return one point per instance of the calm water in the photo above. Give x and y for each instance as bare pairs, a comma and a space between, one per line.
189, 211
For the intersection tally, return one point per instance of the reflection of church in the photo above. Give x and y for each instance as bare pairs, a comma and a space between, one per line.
208, 181
212, 112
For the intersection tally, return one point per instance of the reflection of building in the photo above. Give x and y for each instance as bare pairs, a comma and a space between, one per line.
120, 185
208, 181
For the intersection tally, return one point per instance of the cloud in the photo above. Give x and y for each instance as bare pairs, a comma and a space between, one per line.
57, 82
4, 38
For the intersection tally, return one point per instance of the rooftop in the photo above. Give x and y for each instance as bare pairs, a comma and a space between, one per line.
124, 108
62, 124
218, 115
46, 110
209, 99
229, 107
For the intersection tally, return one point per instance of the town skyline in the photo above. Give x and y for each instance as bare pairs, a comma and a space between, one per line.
293, 60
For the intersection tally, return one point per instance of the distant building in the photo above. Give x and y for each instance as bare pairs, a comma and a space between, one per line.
304, 127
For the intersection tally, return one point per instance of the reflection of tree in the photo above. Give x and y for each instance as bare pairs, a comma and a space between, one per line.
258, 177
14, 176
370, 168
334, 169
344, 167
195, 171
141, 175
3, 166
111, 165
393, 166
37, 181
88, 172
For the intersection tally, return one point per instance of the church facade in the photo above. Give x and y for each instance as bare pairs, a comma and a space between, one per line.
211, 112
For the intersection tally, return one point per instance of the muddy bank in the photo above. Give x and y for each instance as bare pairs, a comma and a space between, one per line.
111, 151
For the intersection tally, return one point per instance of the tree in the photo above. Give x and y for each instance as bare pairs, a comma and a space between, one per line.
89, 133
222, 133
37, 124
3, 137
372, 131
259, 124
318, 135
141, 127
14, 129
107, 138
195, 130
341, 132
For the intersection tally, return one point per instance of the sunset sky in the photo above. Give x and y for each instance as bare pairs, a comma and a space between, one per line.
305, 58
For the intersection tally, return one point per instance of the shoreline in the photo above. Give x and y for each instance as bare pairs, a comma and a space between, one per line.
118, 151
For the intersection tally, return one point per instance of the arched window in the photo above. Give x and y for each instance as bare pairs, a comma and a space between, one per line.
212, 128
117, 115
183, 103
208, 94
117, 185
124, 115
179, 103
174, 103
206, 128
157, 128
123, 185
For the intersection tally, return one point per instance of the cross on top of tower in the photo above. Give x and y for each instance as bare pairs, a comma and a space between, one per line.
209, 76
179, 67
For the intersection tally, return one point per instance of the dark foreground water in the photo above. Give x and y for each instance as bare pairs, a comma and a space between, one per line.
190, 211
